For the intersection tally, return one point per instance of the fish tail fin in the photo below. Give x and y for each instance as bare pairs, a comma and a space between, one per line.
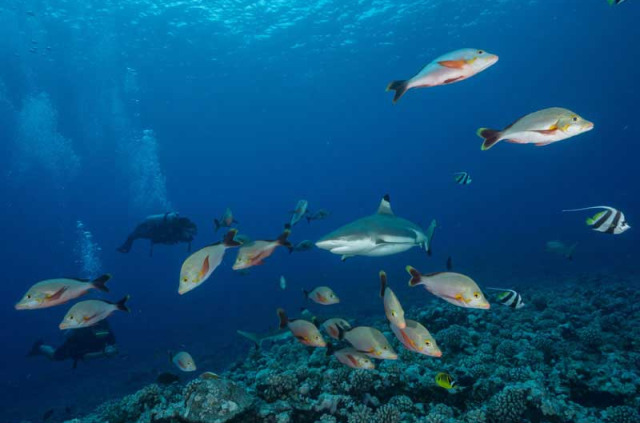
383, 282
490, 136
100, 283
400, 87
330, 349
415, 276
283, 239
570, 251
282, 315
252, 337
431, 230
35, 348
305, 293
230, 239
122, 304
216, 224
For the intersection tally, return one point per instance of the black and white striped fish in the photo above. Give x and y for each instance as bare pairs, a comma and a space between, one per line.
510, 298
462, 178
609, 221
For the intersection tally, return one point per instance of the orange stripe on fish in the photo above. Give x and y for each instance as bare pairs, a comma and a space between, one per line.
352, 359
408, 340
204, 269
321, 298
453, 64
57, 294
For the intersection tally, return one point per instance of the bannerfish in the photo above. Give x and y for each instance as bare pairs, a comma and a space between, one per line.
558, 247
226, 221
510, 298
452, 67
392, 307
322, 295
305, 245
539, 128
462, 178
305, 332
254, 253
369, 341
283, 283
272, 336
609, 221
381, 234
183, 361
331, 326
199, 266
615, 2
417, 338
444, 380
53, 292
88, 313
454, 288
209, 376
351, 358
299, 212
319, 215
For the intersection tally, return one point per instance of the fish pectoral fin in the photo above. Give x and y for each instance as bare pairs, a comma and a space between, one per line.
453, 64
546, 131
449, 81
56, 295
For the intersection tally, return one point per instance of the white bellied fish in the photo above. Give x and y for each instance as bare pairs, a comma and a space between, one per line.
559, 248
53, 292
369, 341
392, 307
454, 288
331, 326
183, 361
609, 221
452, 67
322, 295
417, 338
381, 234
254, 253
305, 332
225, 221
299, 212
88, 313
539, 128
352, 358
200, 265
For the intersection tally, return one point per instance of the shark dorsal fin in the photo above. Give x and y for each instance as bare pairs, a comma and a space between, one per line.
385, 206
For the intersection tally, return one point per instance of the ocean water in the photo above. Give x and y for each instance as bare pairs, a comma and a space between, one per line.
114, 110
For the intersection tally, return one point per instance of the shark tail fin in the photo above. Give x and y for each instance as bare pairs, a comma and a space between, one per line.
570, 251
400, 87
252, 337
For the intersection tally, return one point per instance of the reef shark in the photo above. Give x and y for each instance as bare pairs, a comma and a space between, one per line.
381, 234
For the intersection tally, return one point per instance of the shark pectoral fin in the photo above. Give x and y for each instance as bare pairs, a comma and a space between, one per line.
345, 257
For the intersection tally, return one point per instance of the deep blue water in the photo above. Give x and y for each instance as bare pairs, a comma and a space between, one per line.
255, 105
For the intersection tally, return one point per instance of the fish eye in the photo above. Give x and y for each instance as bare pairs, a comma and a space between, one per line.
71, 317
385, 348
480, 52
185, 279
476, 295
29, 296
393, 313
427, 343
575, 119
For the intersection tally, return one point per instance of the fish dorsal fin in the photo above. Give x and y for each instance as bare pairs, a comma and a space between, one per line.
385, 206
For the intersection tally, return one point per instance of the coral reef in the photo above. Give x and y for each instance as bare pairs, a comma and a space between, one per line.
571, 356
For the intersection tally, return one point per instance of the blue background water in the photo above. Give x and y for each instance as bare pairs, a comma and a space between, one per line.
254, 105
